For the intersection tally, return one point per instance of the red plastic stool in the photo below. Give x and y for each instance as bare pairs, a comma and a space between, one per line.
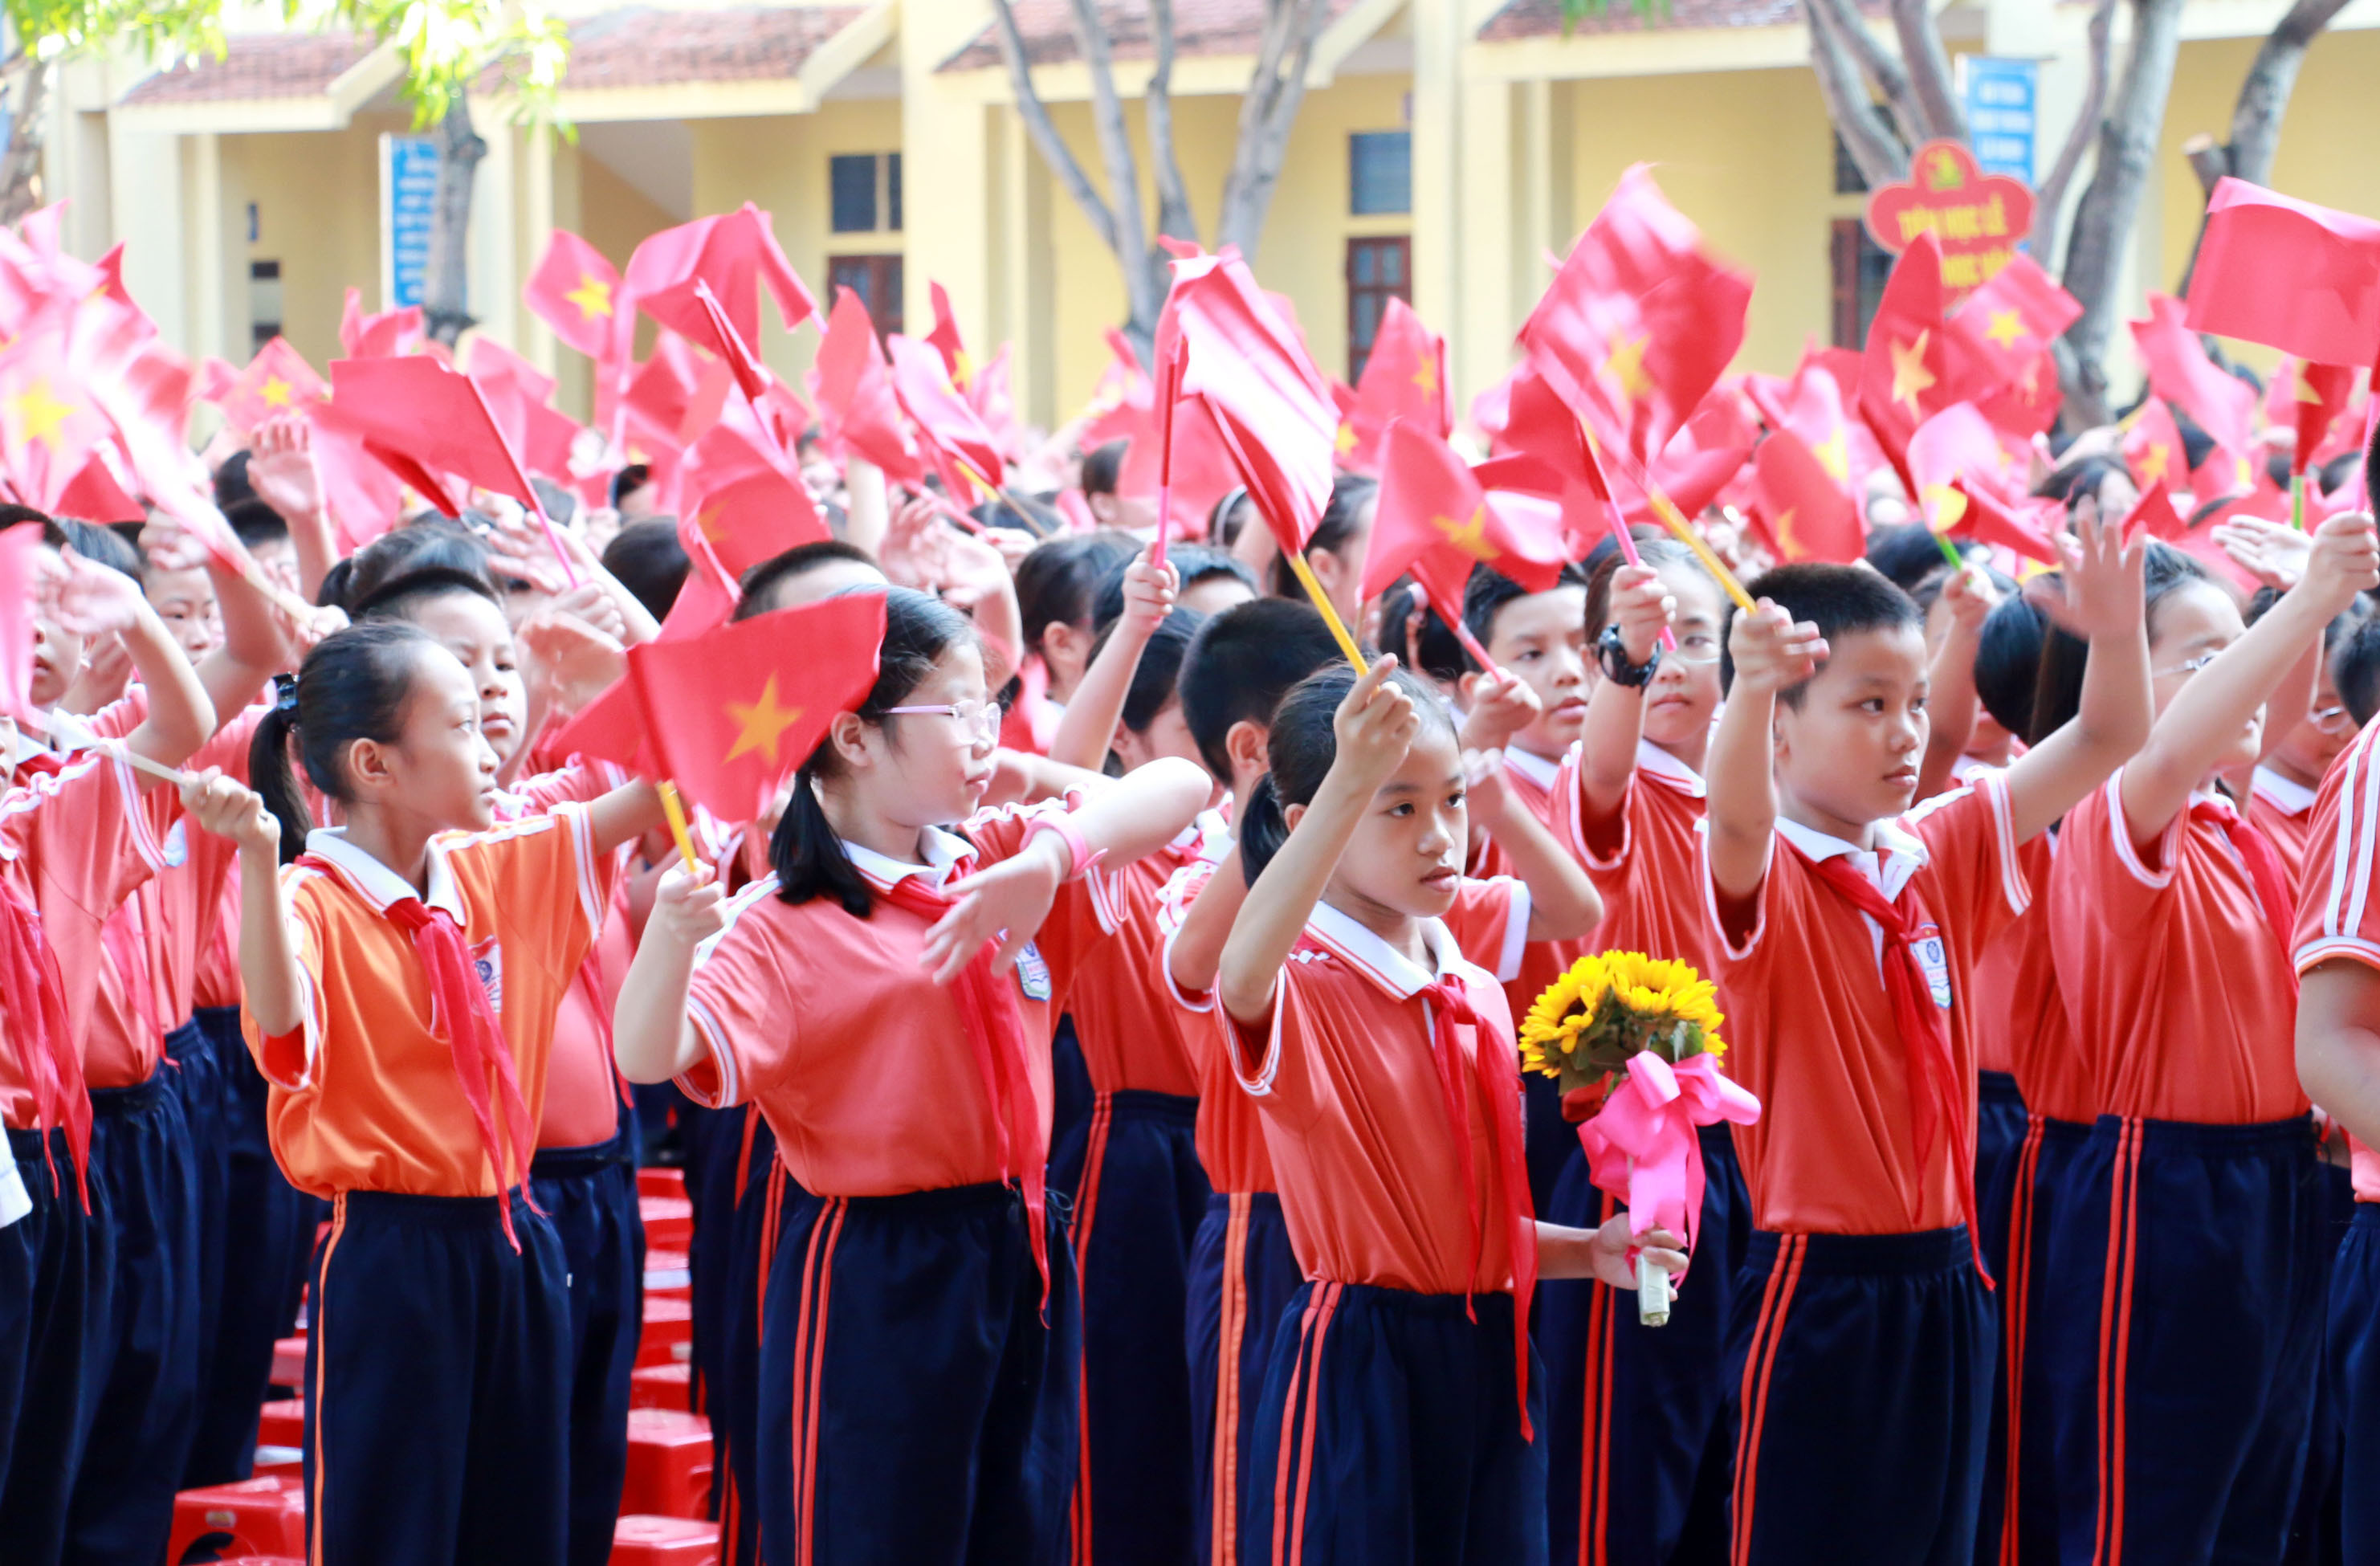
669, 1464
289, 1364
283, 1422
669, 1221
660, 1183
662, 1385
666, 1273
664, 1541
668, 1336
278, 1462
252, 1517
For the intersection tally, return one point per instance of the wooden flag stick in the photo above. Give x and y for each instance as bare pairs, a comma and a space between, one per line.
677, 814
1668, 511
2297, 502
1169, 391
1330, 613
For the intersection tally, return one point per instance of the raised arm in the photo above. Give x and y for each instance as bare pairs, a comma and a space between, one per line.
2205, 717
1950, 680
1375, 727
623, 814
1642, 608
1087, 730
274, 994
1196, 948
96, 602
1563, 905
1771, 653
652, 1039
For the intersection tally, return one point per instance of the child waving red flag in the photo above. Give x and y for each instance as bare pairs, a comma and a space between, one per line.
576, 291
1436, 521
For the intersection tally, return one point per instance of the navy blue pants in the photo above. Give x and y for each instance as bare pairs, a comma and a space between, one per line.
438, 1385
2314, 1524
142, 1360
1638, 1443
1142, 1197
1390, 1433
2355, 1361
758, 1220
56, 1271
713, 1142
590, 1194
1070, 1112
1243, 1274
2184, 1290
195, 1076
1863, 1365
2031, 1204
2002, 1127
268, 1250
1550, 1139
914, 1406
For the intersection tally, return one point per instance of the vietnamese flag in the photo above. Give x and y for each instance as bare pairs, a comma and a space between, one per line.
276, 381
1956, 444
1640, 321
385, 336
610, 728
945, 336
1404, 377
421, 420
1910, 371
1434, 521
737, 255
2154, 511
854, 396
744, 507
363, 497
577, 291
2012, 319
731, 713
49, 422
2288, 273
1983, 516
2152, 448
517, 395
1808, 514
2222, 404
2321, 394
677, 393
962, 447
1259, 393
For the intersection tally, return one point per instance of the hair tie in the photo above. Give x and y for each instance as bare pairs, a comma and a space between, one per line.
284, 696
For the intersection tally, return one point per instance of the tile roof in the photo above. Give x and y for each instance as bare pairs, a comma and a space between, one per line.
648, 48
279, 65
1541, 18
1200, 26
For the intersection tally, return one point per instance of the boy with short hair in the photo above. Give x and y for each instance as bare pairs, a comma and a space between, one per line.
1846, 930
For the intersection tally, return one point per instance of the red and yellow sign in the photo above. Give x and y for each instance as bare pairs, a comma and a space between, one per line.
1978, 218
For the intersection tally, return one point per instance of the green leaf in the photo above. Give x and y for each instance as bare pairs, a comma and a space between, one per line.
1576, 11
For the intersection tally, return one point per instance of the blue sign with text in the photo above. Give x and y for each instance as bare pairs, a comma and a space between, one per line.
2001, 95
412, 201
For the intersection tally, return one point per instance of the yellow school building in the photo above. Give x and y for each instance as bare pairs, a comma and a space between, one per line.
1445, 152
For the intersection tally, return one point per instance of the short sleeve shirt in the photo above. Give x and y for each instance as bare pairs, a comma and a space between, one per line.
2338, 914
1646, 862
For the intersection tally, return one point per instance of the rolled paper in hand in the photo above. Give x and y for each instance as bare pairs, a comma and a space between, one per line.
1653, 1292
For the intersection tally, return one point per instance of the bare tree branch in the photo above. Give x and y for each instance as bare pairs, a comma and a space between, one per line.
2085, 130
444, 284
1872, 73
26, 90
1173, 214
1267, 110
1123, 169
2111, 201
2265, 93
1038, 125
1872, 142
1928, 63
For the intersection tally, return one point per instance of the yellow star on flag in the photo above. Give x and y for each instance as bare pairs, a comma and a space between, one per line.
1626, 364
2006, 328
763, 723
1470, 537
1909, 375
1785, 538
276, 392
1943, 506
1834, 454
708, 523
1425, 376
2154, 462
593, 297
1346, 441
40, 415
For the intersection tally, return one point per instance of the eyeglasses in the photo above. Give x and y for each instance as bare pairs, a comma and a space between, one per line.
2332, 720
1697, 647
2188, 666
978, 720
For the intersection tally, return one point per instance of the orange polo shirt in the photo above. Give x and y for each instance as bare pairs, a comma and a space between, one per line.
1130, 1027
2284, 810
364, 1094
1809, 1021
1645, 860
1541, 786
2176, 985
1343, 1073
2339, 912
858, 1058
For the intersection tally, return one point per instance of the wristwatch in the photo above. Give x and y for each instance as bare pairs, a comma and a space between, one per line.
1612, 653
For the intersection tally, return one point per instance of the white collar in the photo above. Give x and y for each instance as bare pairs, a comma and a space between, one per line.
944, 852
1537, 769
1653, 761
2285, 795
1212, 835
1900, 854
1377, 960
379, 886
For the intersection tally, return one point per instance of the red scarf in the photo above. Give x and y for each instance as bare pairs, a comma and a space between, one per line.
459, 1006
35, 1000
995, 1031
2265, 871
1499, 1076
1938, 1103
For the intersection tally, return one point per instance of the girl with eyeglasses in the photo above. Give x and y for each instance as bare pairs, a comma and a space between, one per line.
886, 998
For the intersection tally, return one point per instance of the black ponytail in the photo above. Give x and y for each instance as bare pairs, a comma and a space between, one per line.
805, 851
1299, 752
353, 685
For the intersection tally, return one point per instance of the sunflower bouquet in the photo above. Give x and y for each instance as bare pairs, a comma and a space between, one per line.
1633, 1041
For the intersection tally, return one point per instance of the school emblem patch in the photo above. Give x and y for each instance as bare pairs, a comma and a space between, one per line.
1934, 957
1032, 973
488, 962
177, 845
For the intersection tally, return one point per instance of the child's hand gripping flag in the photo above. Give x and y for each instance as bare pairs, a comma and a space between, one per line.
729, 714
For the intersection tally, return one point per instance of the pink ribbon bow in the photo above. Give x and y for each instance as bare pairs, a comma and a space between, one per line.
1643, 1148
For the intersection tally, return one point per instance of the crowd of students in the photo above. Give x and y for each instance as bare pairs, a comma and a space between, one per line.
1095, 1077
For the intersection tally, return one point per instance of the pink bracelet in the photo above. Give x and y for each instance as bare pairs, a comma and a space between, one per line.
1079, 853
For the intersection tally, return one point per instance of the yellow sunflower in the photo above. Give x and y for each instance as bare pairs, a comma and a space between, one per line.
1612, 1004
